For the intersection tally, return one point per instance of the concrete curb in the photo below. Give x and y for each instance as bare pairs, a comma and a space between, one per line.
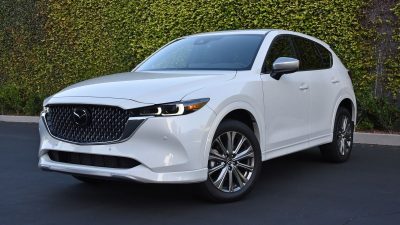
19, 119
377, 139
359, 137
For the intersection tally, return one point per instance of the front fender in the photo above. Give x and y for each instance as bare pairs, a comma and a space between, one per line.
225, 111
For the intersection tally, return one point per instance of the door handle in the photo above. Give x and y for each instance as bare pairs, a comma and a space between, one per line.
303, 87
335, 80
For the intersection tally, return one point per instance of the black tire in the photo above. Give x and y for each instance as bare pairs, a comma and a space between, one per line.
240, 180
88, 179
333, 152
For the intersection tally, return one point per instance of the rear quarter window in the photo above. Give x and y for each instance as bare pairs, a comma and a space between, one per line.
325, 55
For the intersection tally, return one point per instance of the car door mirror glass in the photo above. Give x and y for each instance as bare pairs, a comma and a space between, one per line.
284, 65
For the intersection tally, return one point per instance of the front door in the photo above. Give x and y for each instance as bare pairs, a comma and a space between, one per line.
286, 100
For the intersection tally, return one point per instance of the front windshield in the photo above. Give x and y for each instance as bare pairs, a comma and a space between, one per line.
210, 52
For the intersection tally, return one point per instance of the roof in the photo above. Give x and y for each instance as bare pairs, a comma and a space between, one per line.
258, 31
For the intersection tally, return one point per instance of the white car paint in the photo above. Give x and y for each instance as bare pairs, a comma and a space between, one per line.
146, 87
291, 114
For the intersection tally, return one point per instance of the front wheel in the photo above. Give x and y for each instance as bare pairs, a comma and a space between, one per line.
234, 162
340, 148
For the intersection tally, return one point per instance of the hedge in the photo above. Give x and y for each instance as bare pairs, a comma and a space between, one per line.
47, 45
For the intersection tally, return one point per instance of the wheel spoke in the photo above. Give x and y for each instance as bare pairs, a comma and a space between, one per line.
238, 178
239, 145
230, 140
241, 176
348, 131
344, 124
221, 145
216, 168
244, 154
230, 181
341, 149
221, 177
244, 166
217, 158
214, 155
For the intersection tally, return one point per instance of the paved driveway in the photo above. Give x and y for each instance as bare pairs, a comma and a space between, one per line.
296, 189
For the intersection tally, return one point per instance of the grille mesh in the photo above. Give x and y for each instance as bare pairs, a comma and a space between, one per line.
107, 123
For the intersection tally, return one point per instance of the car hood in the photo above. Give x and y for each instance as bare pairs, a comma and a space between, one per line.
146, 87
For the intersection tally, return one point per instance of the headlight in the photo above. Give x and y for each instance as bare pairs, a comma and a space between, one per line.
171, 109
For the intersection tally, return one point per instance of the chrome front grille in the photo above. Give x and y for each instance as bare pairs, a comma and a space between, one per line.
88, 124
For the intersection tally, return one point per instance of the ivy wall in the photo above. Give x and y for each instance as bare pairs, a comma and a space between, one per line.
46, 45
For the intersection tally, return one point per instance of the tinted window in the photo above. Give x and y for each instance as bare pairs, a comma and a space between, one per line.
309, 57
280, 47
326, 56
213, 52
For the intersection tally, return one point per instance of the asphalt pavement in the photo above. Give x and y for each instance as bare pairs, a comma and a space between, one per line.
296, 189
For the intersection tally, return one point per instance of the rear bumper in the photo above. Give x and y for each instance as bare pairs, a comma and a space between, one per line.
169, 150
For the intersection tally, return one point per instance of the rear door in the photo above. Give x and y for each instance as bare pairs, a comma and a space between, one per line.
316, 61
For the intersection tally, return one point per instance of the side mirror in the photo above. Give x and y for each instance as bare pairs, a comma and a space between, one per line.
284, 65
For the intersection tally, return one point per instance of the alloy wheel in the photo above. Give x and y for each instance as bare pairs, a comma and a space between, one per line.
344, 135
231, 162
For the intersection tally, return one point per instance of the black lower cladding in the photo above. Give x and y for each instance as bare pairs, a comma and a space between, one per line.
93, 159
96, 124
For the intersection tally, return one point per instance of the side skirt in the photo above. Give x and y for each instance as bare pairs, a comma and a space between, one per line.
316, 141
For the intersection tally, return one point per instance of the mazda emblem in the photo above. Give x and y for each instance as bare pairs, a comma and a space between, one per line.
81, 116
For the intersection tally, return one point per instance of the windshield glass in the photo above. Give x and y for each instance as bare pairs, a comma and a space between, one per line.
213, 52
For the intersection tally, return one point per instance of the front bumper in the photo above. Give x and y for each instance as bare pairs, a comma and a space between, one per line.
169, 150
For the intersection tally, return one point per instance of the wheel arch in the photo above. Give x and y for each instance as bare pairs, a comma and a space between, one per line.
245, 117
242, 112
347, 102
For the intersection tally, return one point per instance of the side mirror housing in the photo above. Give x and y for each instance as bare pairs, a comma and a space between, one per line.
284, 65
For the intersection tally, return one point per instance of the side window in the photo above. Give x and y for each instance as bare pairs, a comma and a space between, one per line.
326, 56
309, 57
281, 47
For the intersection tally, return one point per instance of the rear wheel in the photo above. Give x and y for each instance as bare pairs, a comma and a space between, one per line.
340, 148
234, 162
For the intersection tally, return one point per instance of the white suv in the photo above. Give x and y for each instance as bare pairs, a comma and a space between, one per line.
207, 108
